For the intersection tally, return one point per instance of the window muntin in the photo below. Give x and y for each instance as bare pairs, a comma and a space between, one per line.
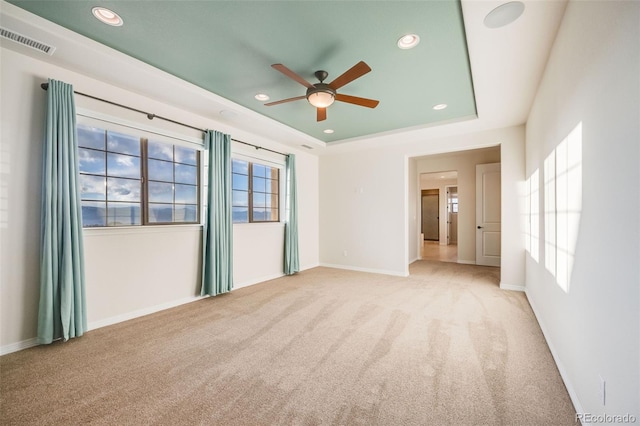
126, 180
255, 192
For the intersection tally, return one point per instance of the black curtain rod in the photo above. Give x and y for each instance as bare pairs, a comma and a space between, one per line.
150, 116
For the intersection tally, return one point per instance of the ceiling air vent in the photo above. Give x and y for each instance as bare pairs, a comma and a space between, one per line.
27, 41
307, 146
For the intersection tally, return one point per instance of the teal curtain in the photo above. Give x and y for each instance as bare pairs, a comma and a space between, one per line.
291, 256
217, 233
62, 309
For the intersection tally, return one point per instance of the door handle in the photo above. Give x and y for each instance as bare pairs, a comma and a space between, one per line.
479, 227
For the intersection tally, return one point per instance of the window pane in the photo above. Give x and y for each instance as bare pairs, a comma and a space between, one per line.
259, 199
123, 214
124, 144
91, 161
93, 187
259, 184
159, 150
123, 189
272, 201
160, 170
123, 166
186, 174
94, 214
239, 166
186, 194
185, 213
160, 213
272, 186
240, 182
160, 192
91, 137
186, 155
240, 198
240, 215
272, 173
259, 214
260, 170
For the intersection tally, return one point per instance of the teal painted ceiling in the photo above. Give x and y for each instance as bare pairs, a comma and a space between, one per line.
228, 47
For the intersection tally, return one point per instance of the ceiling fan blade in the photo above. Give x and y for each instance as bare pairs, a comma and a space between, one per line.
369, 103
292, 75
322, 114
297, 98
356, 71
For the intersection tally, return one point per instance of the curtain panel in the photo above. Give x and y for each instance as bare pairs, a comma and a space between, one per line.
217, 232
62, 306
291, 256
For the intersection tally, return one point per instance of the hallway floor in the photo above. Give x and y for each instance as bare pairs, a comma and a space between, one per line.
432, 250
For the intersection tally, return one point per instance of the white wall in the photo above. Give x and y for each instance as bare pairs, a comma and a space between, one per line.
364, 200
413, 205
512, 173
362, 211
129, 272
592, 77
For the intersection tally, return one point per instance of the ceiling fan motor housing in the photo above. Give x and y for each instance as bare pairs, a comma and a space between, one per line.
321, 95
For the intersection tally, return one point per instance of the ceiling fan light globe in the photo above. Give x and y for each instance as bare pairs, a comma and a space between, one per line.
321, 99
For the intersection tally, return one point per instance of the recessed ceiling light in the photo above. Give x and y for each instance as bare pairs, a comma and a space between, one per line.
439, 107
107, 16
408, 41
504, 14
262, 97
328, 131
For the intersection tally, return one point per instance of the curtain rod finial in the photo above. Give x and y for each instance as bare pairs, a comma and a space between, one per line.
151, 116
45, 86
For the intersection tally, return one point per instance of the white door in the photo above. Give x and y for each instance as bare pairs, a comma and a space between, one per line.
488, 214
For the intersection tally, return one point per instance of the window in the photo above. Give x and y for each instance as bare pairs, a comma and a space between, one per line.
256, 189
126, 180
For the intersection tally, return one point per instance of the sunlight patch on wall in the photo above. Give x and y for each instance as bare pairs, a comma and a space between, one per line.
532, 236
563, 206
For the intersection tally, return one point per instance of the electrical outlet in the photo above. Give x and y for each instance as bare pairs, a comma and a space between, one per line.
602, 390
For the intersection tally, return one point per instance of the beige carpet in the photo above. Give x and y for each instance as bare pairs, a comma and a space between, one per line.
445, 346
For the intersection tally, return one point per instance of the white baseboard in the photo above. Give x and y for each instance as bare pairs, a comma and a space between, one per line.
269, 277
467, 262
359, 269
141, 312
18, 346
259, 280
512, 287
563, 372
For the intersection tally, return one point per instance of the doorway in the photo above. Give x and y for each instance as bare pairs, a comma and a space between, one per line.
439, 229
431, 215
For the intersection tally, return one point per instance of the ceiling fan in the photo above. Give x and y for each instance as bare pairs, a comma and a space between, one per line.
321, 94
